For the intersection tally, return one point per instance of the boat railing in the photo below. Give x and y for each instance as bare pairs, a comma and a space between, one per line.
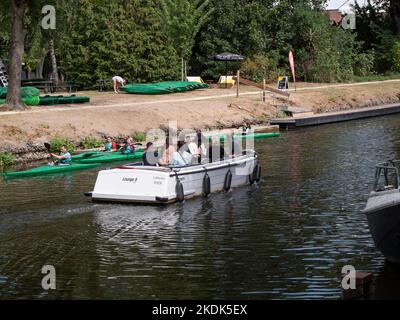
387, 176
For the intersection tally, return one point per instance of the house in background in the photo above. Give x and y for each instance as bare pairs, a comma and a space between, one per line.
335, 17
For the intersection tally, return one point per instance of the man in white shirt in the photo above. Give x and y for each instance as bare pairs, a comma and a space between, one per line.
118, 81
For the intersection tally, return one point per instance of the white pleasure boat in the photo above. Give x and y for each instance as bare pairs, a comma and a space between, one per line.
150, 184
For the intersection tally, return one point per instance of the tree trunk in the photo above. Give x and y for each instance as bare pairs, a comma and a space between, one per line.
53, 62
18, 8
39, 67
395, 13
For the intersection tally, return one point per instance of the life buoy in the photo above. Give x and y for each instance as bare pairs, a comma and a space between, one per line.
180, 195
206, 185
228, 181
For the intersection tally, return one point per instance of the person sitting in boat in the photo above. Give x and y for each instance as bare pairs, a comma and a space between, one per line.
118, 81
246, 128
233, 146
182, 157
150, 157
64, 158
128, 147
216, 151
166, 158
197, 148
110, 145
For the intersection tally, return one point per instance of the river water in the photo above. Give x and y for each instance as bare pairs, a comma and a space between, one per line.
287, 238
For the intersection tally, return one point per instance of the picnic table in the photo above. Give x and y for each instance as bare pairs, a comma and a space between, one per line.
46, 86
104, 85
50, 86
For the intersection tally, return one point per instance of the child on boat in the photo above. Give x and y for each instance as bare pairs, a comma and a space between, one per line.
128, 147
110, 145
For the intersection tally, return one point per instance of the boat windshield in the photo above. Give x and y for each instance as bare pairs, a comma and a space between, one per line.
387, 176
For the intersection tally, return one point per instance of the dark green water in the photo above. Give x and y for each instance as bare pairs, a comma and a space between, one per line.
287, 238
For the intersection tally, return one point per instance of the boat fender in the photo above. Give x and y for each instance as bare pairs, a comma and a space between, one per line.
257, 173
228, 181
180, 195
206, 185
252, 177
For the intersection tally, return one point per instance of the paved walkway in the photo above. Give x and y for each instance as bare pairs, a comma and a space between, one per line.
177, 100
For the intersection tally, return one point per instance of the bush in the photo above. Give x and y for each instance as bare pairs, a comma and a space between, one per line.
57, 142
6, 159
364, 63
139, 136
258, 67
91, 143
396, 56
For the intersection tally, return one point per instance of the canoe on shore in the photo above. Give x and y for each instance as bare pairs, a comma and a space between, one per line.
48, 170
103, 157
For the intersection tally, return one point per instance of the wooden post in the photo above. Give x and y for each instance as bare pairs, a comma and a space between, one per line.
237, 83
264, 85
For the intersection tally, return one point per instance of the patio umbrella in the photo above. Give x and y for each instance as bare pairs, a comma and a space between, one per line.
227, 56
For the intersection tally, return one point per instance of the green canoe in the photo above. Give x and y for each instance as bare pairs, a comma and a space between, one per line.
109, 157
55, 100
48, 170
163, 87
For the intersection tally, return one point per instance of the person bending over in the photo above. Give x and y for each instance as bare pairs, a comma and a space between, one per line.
118, 82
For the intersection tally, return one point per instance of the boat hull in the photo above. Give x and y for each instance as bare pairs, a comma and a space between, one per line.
158, 185
383, 214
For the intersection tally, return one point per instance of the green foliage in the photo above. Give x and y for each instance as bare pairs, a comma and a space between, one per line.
396, 56
91, 143
6, 159
111, 38
259, 67
139, 136
182, 20
364, 63
377, 77
57, 142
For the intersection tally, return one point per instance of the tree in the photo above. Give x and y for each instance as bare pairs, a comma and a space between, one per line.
183, 20
18, 10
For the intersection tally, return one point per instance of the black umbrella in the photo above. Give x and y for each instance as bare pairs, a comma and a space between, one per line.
227, 56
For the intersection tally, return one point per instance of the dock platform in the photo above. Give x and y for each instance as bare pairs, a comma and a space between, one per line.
338, 116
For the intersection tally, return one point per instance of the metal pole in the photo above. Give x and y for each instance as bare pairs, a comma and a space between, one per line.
237, 83
182, 69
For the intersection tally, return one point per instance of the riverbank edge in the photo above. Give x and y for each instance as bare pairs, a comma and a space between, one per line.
31, 152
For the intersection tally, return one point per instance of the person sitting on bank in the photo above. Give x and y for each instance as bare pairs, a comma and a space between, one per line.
64, 158
182, 157
150, 157
128, 147
110, 145
118, 82
167, 154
